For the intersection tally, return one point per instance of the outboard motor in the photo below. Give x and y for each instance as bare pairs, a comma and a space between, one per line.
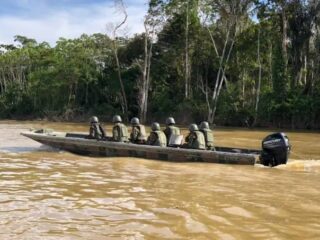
275, 149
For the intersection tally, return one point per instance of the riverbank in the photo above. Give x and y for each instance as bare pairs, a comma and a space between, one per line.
84, 119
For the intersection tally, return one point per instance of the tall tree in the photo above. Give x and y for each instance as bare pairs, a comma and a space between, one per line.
119, 5
228, 15
152, 24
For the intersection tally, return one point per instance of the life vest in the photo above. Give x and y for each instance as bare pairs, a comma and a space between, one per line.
143, 134
208, 136
171, 130
138, 133
196, 140
96, 131
161, 139
174, 130
120, 132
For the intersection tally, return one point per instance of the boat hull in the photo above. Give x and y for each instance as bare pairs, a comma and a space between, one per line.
76, 144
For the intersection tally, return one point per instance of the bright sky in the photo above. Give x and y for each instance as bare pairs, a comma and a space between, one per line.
47, 20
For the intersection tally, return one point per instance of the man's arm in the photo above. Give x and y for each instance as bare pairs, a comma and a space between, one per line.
91, 132
103, 133
151, 139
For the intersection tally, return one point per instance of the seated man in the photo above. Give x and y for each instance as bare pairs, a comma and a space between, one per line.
119, 130
138, 132
96, 130
195, 139
208, 135
171, 129
157, 137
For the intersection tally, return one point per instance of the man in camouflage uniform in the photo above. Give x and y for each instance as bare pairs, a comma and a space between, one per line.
119, 130
208, 135
195, 139
96, 130
138, 132
171, 129
157, 137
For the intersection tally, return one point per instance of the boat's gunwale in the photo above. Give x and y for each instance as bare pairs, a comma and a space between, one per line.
128, 146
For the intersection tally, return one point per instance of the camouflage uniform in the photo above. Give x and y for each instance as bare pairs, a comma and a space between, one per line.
157, 138
120, 133
208, 136
96, 131
195, 140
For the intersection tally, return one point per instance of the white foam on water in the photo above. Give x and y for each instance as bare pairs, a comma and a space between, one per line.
296, 165
301, 165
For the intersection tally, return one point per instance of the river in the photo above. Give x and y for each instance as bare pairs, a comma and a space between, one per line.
50, 194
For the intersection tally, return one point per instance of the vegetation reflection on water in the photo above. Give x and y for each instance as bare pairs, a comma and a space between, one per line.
47, 194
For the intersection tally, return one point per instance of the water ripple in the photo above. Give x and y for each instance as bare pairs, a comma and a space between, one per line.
58, 195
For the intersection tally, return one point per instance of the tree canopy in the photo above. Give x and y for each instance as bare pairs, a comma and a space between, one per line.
232, 62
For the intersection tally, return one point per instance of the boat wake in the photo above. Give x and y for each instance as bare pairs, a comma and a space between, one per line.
301, 165
297, 166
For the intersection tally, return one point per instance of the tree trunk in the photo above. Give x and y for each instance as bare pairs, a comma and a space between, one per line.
243, 87
148, 82
270, 66
284, 38
145, 78
221, 77
187, 72
144, 88
120, 5
259, 83
123, 92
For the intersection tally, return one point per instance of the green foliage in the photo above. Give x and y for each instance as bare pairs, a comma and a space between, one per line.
279, 74
232, 110
78, 77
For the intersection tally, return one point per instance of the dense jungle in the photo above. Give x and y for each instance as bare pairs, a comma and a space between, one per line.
252, 63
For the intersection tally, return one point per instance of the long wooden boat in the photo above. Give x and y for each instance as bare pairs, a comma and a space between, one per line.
80, 144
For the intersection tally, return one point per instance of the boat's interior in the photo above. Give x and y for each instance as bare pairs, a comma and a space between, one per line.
220, 149
237, 150
77, 135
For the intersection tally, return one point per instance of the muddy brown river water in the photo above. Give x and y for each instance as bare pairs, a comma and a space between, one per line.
50, 194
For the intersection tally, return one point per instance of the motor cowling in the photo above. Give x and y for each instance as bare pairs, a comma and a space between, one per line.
275, 149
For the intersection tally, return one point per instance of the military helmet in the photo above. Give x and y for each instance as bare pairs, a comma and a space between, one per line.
170, 120
135, 121
94, 119
155, 126
116, 118
193, 127
204, 125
